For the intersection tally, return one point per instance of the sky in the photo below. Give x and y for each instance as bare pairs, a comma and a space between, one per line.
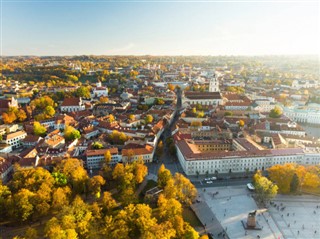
70, 27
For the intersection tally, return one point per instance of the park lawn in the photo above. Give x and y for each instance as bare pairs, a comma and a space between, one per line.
190, 217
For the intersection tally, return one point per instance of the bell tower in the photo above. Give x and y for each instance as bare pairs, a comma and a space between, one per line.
213, 84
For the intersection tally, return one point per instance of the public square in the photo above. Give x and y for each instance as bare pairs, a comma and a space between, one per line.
288, 217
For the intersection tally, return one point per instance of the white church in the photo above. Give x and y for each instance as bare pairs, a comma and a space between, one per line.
211, 97
99, 91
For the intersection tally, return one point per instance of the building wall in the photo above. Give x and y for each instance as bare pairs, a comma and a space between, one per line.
241, 164
94, 162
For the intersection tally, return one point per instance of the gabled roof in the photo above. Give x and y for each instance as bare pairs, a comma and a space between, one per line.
75, 101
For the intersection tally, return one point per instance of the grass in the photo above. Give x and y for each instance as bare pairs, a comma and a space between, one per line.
190, 217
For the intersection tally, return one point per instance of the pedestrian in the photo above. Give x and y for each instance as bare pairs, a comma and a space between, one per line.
298, 232
315, 232
245, 233
212, 219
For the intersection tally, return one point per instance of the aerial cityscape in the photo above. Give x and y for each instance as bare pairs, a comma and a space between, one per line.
160, 119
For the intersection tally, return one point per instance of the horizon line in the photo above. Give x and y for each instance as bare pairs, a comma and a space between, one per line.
162, 55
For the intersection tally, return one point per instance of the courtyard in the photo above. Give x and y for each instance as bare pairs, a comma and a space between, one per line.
287, 217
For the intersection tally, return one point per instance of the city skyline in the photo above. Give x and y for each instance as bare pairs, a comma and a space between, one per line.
159, 28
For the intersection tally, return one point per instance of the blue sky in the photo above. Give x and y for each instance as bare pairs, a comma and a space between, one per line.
159, 28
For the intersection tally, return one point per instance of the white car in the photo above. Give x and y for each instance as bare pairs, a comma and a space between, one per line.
213, 178
209, 182
207, 179
250, 187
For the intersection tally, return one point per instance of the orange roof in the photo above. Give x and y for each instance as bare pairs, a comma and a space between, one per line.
147, 149
15, 134
101, 151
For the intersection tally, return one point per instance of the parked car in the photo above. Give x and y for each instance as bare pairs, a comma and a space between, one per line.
250, 187
209, 182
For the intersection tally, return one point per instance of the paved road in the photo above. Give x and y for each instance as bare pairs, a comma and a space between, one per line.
221, 183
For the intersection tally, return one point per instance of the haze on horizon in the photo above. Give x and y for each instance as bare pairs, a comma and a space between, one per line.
159, 28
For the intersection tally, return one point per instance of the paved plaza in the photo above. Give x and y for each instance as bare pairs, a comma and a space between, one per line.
300, 217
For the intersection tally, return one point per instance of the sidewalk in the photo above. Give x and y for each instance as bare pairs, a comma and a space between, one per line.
208, 220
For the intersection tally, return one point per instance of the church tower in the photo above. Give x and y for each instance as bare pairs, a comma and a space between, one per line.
214, 84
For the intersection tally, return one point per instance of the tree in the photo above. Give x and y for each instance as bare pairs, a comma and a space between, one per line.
72, 78
60, 179
282, 175
83, 91
241, 123
186, 191
23, 204
49, 111
76, 174
107, 157
31, 233
171, 87
139, 170
294, 184
276, 112
5, 199
38, 129
169, 208
9, 117
148, 119
61, 197
42, 102
97, 145
108, 203
131, 117
71, 133
111, 118
164, 175
21, 115
265, 189
159, 150
95, 185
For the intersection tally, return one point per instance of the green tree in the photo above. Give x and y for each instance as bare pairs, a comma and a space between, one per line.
294, 184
